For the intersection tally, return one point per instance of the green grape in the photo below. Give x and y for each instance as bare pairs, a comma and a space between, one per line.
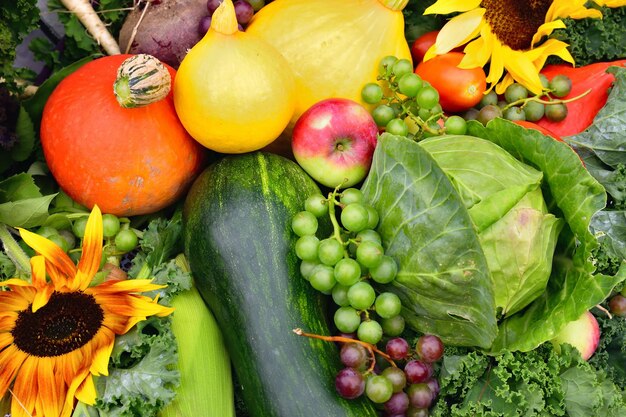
369, 234
436, 110
387, 305
471, 114
347, 319
347, 272
330, 251
110, 225
58, 240
361, 295
79, 226
397, 127
354, 217
556, 112
378, 389
394, 326
369, 254
488, 113
317, 205
427, 97
382, 115
401, 67
385, 271
544, 81
409, 84
515, 92
489, 98
126, 240
306, 248
372, 217
534, 110
323, 279
306, 268
397, 108
370, 331
69, 238
514, 113
560, 85
371, 93
455, 125
256, 4
340, 295
351, 195
424, 114
385, 66
304, 223
47, 231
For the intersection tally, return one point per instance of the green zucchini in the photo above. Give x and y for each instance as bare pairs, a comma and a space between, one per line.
238, 240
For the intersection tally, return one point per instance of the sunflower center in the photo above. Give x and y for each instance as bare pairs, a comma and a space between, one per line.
515, 22
67, 322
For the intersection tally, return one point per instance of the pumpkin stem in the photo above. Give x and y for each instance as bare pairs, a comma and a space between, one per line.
394, 4
224, 19
141, 80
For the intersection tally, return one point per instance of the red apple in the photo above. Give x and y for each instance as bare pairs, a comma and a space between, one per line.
583, 334
334, 140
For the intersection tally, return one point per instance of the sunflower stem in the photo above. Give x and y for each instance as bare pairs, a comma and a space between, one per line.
14, 251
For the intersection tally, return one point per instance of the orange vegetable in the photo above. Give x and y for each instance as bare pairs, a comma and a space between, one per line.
128, 161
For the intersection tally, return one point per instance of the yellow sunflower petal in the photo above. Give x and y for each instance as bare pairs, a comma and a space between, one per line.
545, 30
11, 301
125, 286
610, 3
101, 348
7, 322
25, 388
51, 389
77, 380
574, 9
523, 70
38, 271
476, 54
450, 6
496, 67
6, 338
92, 251
14, 282
502, 85
50, 251
458, 31
42, 297
11, 360
86, 392
132, 305
540, 54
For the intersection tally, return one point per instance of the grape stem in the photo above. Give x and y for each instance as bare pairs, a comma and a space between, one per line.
332, 201
537, 98
372, 349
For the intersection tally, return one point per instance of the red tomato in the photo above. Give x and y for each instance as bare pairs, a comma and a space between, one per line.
531, 125
421, 45
459, 89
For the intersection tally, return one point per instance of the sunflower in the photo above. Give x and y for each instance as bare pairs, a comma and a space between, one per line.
508, 34
57, 331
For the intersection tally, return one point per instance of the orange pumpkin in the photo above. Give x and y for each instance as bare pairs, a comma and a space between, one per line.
128, 161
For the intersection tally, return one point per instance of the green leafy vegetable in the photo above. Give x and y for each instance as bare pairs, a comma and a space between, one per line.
594, 40
443, 279
539, 382
21, 202
17, 19
416, 23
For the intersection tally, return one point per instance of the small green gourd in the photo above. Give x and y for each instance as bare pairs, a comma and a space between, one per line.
141, 79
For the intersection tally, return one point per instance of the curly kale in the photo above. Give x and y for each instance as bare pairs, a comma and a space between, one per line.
17, 19
592, 40
611, 352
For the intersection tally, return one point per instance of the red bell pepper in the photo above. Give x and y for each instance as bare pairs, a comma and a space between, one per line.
581, 112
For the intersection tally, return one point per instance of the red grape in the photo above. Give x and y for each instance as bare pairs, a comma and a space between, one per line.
212, 5
244, 11
420, 395
397, 348
433, 384
417, 371
397, 378
397, 404
353, 355
617, 305
204, 25
429, 348
349, 383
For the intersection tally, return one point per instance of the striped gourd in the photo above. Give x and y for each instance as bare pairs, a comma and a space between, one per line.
141, 79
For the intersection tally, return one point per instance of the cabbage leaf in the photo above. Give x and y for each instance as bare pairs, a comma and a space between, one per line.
443, 280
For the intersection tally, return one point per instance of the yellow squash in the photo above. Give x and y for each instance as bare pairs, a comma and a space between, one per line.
332, 46
233, 92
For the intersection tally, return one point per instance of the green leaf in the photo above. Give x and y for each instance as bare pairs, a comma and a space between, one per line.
26, 135
571, 192
18, 187
611, 225
606, 136
443, 280
27, 213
